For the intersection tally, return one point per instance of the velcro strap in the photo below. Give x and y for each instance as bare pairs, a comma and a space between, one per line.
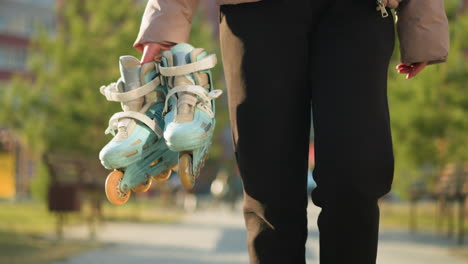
199, 91
203, 64
190, 100
113, 122
194, 89
113, 95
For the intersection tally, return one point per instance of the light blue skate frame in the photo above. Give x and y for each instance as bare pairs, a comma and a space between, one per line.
144, 169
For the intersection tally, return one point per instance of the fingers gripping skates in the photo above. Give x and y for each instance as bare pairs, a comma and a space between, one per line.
189, 111
138, 152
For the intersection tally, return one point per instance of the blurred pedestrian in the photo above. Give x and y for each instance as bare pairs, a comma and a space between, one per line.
280, 59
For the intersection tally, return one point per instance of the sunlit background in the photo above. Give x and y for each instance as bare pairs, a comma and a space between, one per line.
54, 56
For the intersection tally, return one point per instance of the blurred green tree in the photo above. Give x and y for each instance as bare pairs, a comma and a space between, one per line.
61, 109
429, 112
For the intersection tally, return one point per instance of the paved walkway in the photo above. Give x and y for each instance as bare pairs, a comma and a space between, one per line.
217, 236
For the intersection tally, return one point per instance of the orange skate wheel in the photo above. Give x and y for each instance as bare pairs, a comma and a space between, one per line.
112, 187
163, 176
186, 170
144, 187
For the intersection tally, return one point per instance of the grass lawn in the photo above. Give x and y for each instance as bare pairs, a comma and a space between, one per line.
29, 249
397, 216
25, 218
23, 226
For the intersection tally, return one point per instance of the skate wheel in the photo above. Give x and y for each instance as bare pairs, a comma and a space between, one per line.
163, 176
186, 170
112, 188
144, 187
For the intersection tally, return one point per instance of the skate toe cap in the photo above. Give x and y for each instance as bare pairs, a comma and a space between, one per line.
121, 153
115, 156
185, 136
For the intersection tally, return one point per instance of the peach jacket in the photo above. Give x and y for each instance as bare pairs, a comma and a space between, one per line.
422, 26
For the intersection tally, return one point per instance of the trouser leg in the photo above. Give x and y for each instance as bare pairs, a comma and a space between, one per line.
346, 54
350, 52
269, 104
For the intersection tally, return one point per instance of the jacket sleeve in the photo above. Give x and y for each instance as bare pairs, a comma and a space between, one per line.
166, 21
423, 31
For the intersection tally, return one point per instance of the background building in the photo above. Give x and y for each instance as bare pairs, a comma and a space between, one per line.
18, 21
17, 25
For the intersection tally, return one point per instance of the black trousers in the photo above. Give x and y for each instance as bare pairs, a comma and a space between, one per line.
281, 59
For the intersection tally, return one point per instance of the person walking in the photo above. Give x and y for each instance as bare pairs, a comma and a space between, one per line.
282, 58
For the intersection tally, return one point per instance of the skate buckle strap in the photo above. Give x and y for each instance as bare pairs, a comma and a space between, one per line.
112, 94
114, 120
204, 97
203, 64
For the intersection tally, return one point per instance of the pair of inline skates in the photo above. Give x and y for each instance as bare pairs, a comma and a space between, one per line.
167, 121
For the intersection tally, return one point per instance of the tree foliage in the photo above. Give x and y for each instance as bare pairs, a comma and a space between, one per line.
61, 109
429, 113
